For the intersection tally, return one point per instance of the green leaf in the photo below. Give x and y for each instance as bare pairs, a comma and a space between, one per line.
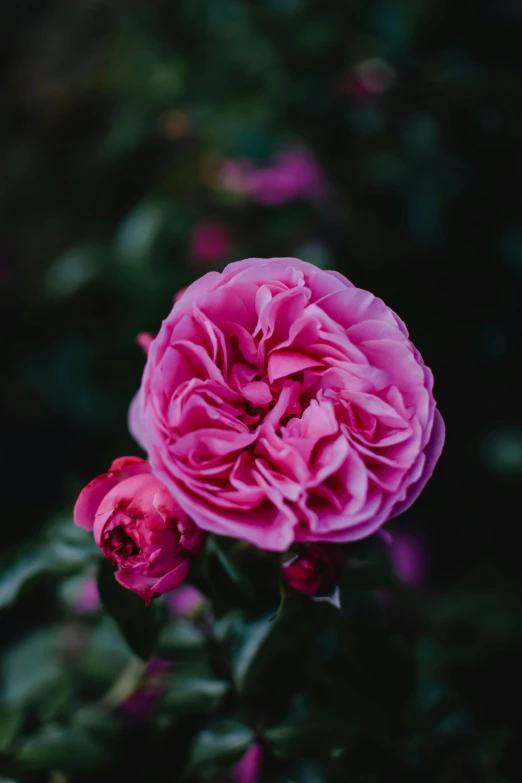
32, 669
64, 549
322, 735
264, 641
67, 749
29, 566
139, 624
230, 585
142, 229
76, 268
192, 691
11, 717
224, 742
181, 640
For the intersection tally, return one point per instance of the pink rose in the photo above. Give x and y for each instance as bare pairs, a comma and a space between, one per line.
139, 526
280, 403
317, 571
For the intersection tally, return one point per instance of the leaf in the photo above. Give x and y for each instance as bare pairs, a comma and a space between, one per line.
181, 640
194, 692
11, 717
139, 624
76, 268
67, 749
322, 735
63, 550
32, 669
264, 641
32, 564
141, 230
223, 742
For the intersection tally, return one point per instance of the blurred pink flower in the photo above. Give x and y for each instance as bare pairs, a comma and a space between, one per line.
140, 706
185, 601
371, 77
409, 559
87, 600
248, 768
293, 174
210, 241
144, 340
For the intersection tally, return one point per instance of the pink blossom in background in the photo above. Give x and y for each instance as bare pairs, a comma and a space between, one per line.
409, 559
141, 705
293, 174
317, 570
144, 340
185, 601
140, 527
87, 600
369, 78
280, 403
247, 770
210, 241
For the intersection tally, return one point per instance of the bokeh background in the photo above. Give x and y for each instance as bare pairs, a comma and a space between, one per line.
145, 143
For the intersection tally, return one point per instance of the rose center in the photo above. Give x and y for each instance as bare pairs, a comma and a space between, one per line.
121, 544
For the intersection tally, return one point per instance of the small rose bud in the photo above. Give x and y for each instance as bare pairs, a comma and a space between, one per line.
317, 571
247, 770
409, 559
186, 601
140, 527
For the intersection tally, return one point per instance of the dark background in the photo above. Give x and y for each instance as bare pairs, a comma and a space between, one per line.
114, 119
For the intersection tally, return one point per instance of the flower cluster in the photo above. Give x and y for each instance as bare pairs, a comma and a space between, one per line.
279, 404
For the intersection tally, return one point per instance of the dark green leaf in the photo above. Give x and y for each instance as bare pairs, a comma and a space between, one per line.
66, 749
64, 549
181, 640
224, 742
139, 624
265, 641
322, 735
10, 721
191, 691
32, 669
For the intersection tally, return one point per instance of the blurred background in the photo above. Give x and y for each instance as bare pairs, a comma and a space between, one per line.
145, 143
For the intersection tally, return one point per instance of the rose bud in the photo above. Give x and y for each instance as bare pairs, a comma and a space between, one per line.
317, 571
248, 768
140, 527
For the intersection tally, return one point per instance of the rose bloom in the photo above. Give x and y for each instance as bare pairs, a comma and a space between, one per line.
139, 526
280, 403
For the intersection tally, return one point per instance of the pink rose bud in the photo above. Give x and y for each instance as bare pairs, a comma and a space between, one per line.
210, 241
247, 770
185, 601
144, 340
409, 559
317, 571
140, 527
87, 600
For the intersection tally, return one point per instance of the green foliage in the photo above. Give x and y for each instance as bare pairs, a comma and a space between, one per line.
139, 624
